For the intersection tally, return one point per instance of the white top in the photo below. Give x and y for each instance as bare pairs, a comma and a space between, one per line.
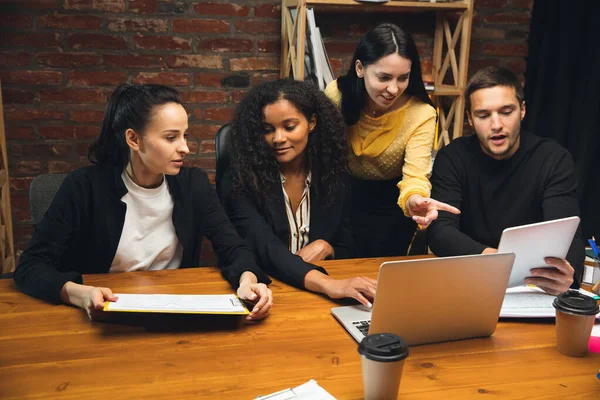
148, 240
299, 222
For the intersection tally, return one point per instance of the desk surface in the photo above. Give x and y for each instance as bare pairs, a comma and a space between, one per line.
49, 351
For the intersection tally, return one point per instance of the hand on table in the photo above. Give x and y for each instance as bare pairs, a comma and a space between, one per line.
257, 293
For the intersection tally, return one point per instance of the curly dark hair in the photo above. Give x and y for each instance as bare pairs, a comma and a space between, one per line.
254, 168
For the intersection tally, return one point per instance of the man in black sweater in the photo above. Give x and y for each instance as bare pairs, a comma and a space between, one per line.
503, 177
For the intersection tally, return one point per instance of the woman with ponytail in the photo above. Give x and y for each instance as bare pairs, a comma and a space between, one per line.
289, 194
136, 208
391, 125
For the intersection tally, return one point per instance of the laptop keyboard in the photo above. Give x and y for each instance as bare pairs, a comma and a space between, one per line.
362, 326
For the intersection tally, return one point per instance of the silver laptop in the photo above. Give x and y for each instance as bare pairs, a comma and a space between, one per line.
434, 299
532, 243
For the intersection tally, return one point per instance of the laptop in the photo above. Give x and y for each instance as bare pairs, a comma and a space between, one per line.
434, 299
532, 243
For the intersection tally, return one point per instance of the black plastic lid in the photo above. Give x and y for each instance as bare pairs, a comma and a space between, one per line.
385, 347
573, 302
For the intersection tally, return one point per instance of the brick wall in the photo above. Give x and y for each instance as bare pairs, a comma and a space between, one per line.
60, 60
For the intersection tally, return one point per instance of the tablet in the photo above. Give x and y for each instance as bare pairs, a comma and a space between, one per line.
534, 242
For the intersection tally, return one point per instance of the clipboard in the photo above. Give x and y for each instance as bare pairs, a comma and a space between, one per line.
216, 304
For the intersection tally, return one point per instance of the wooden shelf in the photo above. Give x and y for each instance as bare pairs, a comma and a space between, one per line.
7, 244
394, 5
447, 42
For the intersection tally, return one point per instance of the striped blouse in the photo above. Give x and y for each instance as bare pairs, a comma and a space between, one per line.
300, 222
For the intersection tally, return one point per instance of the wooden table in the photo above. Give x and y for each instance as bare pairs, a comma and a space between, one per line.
49, 351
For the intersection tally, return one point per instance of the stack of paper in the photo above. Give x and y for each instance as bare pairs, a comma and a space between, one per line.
529, 302
179, 304
307, 391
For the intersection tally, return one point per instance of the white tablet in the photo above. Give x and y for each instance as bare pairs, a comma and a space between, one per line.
532, 243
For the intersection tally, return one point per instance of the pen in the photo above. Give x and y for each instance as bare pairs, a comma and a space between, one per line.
592, 242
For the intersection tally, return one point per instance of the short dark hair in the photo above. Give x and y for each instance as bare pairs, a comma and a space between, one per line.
493, 76
129, 106
379, 42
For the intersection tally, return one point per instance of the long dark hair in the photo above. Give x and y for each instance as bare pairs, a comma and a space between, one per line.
381, 41
129, 106
255, 169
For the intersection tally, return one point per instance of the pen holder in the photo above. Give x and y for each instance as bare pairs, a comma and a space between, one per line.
596, 277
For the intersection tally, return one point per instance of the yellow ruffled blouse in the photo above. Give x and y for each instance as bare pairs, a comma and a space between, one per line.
397, 143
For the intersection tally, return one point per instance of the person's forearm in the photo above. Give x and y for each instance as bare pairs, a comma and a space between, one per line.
316, 281
449, 241
74, 293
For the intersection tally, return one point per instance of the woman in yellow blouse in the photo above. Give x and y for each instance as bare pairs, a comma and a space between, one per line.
390, 125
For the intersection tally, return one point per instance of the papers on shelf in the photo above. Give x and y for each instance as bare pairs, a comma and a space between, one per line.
176, 303
307, 391
529, 302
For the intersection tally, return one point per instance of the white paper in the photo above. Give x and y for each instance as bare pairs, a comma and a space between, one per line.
530, 302
177, 303
307, 391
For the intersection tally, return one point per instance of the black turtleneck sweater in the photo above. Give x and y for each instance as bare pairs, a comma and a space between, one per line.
536, 184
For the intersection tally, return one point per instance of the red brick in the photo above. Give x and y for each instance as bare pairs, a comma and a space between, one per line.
15, 96
522, 4
68, 59
79, 41
195, 61
517, 66
20, 184
238, 95
69, 132
72, 96
487, 33
207, 147
16, 21
269, 46
491, 3
62, 21
210, 8
477, 64
28, 114
42, 150
508, 18
225, 45
21, 168
62, 167
505, 49
31, 77
193, 146
40, 5
218, 114
81, 149
30, 40
162, 42
96, 5
268, 11
203, 131
204, 163
86, 116
14, 59
261, 77
137, 25
97, 78
133, 60
163, 78
338, 47
336, 66
19, 132
517, 35
200, 26
209, 79
142, 6
258, 27
203, 97
253, 63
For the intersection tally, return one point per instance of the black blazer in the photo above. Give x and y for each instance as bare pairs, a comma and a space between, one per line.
267, 231
80, 232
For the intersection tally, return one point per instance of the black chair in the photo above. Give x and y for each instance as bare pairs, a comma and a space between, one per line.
42, 190
223, 161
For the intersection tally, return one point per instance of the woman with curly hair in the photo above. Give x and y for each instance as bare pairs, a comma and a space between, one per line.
290, 195
391, 126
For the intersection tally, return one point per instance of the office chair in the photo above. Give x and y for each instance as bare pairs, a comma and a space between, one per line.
223, 162
42, 190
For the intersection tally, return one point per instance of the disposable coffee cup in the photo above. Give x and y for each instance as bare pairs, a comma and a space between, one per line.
575, 314
382, 359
